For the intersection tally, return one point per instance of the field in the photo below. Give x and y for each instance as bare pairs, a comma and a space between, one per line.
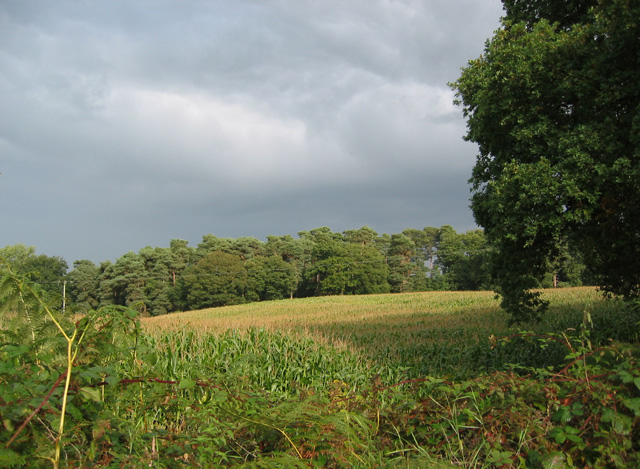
443, 333
435, 379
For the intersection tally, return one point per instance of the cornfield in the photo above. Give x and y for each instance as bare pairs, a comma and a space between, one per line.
428, 333
401, 380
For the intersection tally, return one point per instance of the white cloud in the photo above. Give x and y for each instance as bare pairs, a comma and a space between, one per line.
208, 139
403, 127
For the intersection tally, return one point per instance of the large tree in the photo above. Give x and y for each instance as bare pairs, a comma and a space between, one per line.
83, 285
349, 269
400, 257
295, 251
124, 283
346, 264
565, 13
554, 106
46, 271
270, 278
218, 279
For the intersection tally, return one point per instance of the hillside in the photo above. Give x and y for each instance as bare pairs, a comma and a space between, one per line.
426, 333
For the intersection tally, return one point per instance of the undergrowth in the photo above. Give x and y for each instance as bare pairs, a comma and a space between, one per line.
266, 399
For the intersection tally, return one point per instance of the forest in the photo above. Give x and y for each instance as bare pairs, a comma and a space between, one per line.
227, 271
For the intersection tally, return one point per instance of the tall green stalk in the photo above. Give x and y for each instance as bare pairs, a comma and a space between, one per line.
24, 291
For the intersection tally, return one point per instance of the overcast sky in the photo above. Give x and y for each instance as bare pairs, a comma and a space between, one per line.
125, 123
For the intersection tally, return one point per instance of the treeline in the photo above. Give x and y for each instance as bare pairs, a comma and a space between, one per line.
226, 271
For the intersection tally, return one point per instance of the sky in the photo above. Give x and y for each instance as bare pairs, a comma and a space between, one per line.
126, 124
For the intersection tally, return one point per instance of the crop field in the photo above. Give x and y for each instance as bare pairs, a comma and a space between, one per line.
443, 333
435, 379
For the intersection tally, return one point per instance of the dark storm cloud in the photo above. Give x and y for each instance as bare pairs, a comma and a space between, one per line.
127, 124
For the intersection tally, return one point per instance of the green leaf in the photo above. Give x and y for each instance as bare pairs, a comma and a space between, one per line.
88, 375
500, 457
558, 435
620, 423
570, 430
574, 438
93, 394
563, 414
11, 458
16, 351
553, 460
74, 412
8, 424
633, 404
625, 376
112, 380
617, 460
187, 384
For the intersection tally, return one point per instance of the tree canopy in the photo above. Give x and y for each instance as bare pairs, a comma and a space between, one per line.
223, 271
554, 106
48, 271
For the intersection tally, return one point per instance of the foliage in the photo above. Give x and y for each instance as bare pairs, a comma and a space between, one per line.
401, 267
48, 271
83, 285
270, 399
554, 109
156, 281
60, 359
347, 269
463, 258
585, 415
270, 278
217, 279
565, 13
